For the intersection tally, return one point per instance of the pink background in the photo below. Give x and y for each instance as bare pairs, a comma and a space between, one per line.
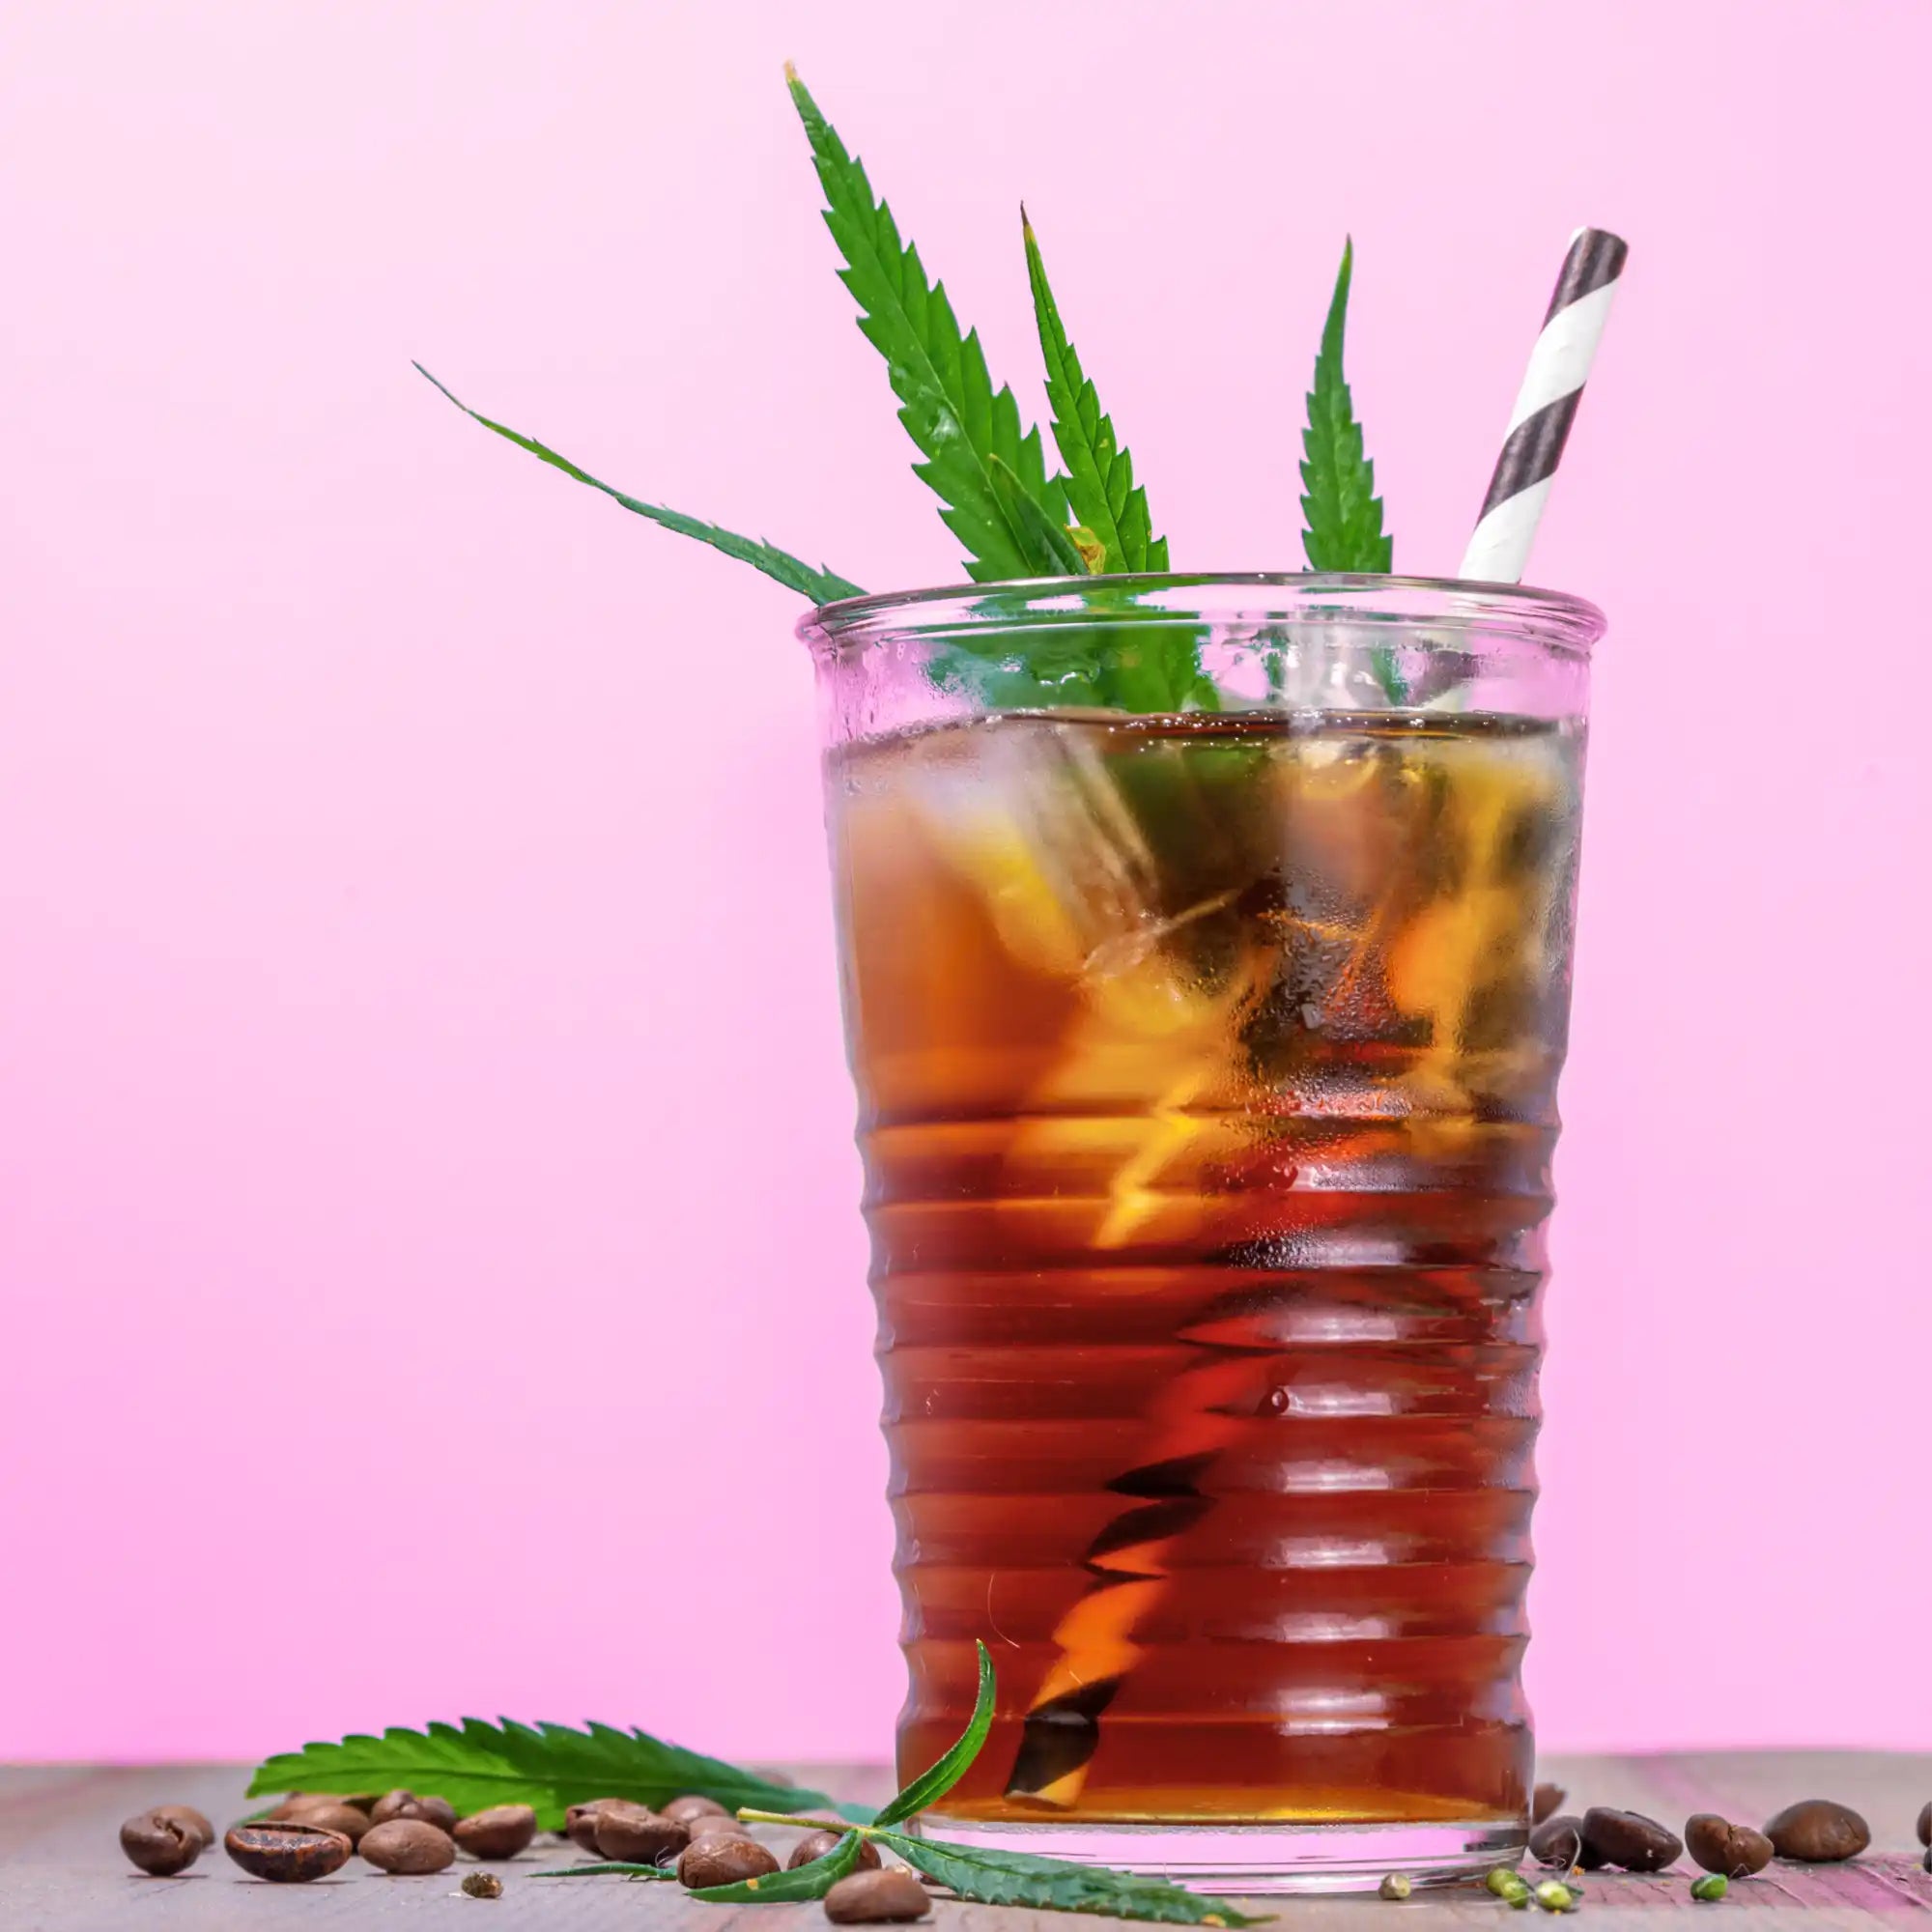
429, 1257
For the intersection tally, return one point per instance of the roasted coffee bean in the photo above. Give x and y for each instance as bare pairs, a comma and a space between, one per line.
708, 1827
636, 1833
482, 1885
408, 1845
1547, 1802
287, 1853
720, 1861
1719, 1846
499, 1833
159, 1845
580, 1822
816, 1845
877, 1898
331, 1814
439, 1811
1557, 1841
1630, 1839
195, 1821
1925, 1826
690, 1808
1818, 1832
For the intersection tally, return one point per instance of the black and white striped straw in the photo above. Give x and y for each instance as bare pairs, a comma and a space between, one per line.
1545, 406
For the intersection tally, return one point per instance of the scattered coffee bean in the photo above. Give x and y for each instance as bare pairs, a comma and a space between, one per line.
691, 1807
331, 1814
892, 1897
482, 1885
287, 1853
727, 1861
580, 1822
1394, 1885
1928, 1861
159, 1846
636, 1833
499, 1833
1553, 1895
1557, 1841
816, 1845
1818, 1832
1630, 1839
1712, 1886
1925, 1826
439, 1811
1719, 1846
408, 1845
299, 1806
195, 1821
717, 1827
1547, 1802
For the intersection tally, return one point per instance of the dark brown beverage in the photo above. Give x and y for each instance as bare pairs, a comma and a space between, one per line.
1207, 1070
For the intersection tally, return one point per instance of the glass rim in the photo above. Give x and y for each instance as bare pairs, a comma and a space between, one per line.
1557, 618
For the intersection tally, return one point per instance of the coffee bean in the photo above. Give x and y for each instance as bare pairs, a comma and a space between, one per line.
1719, 1846
482, 1885
690, 1808
1818, 1832
195, 1821
408, 1845
287, 1853
1925, 1826
877, 1898
331, 1814
636, 1833
816, 1845
439, 1811
1547, 1802
717, 1827
724, 1861
159, 1845
580, 1822
499, 1833
1630, 1839
1559, 1842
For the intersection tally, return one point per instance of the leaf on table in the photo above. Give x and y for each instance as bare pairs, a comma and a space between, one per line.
821, 585
937, 1779
808, 1881
1056, 1884
1100, 484
947, 403
547, 1766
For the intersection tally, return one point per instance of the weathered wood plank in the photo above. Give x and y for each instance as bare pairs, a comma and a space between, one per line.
61, 1870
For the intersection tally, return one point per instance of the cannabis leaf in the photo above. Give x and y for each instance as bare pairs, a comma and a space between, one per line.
548, 1766
808, 1881
1049, 550
933, 1784
949, 406
1056, 1884
1100, 481
822, 587
1343, 512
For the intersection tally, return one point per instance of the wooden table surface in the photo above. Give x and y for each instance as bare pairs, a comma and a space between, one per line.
60, 1868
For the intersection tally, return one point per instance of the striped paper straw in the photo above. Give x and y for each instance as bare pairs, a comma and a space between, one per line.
1545, 406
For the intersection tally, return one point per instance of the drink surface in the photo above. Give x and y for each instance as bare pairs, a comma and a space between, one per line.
1206, 1072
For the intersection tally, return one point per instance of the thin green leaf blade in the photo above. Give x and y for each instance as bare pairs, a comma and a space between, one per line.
549, 1767
947, 403
1048, 550
1054, 1885
821, 585
1100, 484
609, 1867
933, 1784
808, 1881
1344, 515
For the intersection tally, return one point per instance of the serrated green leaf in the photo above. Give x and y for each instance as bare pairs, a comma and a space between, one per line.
1344, 515
1049, 551
808, 1881
609, 1869
1100, 484
547, 1766
821, 585
938, 1778
947, 403
1055, 1884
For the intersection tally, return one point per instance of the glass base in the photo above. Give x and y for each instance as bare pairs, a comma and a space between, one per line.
1249, 1860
